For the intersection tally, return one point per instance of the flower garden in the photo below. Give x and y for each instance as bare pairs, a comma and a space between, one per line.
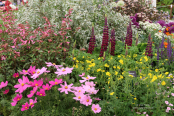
86, 58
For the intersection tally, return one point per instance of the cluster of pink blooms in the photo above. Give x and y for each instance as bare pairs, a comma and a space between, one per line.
2, 85
169, 104
36, 85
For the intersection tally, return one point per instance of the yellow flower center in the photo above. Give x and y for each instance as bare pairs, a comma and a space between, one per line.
63, 70
46, 88
95, 108
34, 72
79, 90
26, 71
36, 84
18, 99
31, 103
56, 83
26, 107
66, 87
40, 94
17, 76
87, 78
87, 100
54, 64
79, 97
22, 84
38, 72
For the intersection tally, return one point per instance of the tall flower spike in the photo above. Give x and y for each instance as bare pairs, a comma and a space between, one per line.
105, 38
92, 41
149, 47
128, 40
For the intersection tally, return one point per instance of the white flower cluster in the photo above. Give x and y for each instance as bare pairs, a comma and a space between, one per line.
120, 3
153, 28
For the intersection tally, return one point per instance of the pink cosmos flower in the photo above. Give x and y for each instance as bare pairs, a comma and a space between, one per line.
64, 71
32, 102
170, 104
25, 72
32, 70
89, 89
166, 102
41, 93
3, 84
46, 87
25, 107
6, 91
168, 108
65, 88
96, 108
39, 72
98, 99
172, 94
22, 86
86, 79
37, 83
79, 90
56, 82
79, 97
53, 64
15, 75
83, 74
86, 100
91, 84
32, 92
16, 99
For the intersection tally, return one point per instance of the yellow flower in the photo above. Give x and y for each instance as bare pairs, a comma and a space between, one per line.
116, 97
77, 61
135, 55
99, 58
88, 61
76, 66
140, 62
140, 59
114, 67
112, 93
108, 82
155, 54
156, 70
121, 76
106, 65
119, 56
168, 77
111, 57
153, 79
140, 77
121, 61
116, 72
103, 70
166, 73
166, 59
135, 98
118, 67
131, 76
108, 74
74, 58
163, 83
146, 58
83, 57
162, 63
88, 69
147, 85
98, 70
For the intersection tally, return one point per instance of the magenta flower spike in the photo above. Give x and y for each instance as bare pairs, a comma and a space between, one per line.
92, 41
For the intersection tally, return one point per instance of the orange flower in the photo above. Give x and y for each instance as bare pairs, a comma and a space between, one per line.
152, 42
165, 39
165, 43
151, 38
167, 29
167, 33
173, 47
159, 31
165, 46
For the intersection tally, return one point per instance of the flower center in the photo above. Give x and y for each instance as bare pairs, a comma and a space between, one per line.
26, 71
63, 70
26, 107
56, 83
79, 90
87, 78
38, 72
31, 103
40, 94
33, 72
54, 64
46, 88
66, 87
36, 84
17, 76
18, 99
95, 108
87, 100
22, 84
79, 97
